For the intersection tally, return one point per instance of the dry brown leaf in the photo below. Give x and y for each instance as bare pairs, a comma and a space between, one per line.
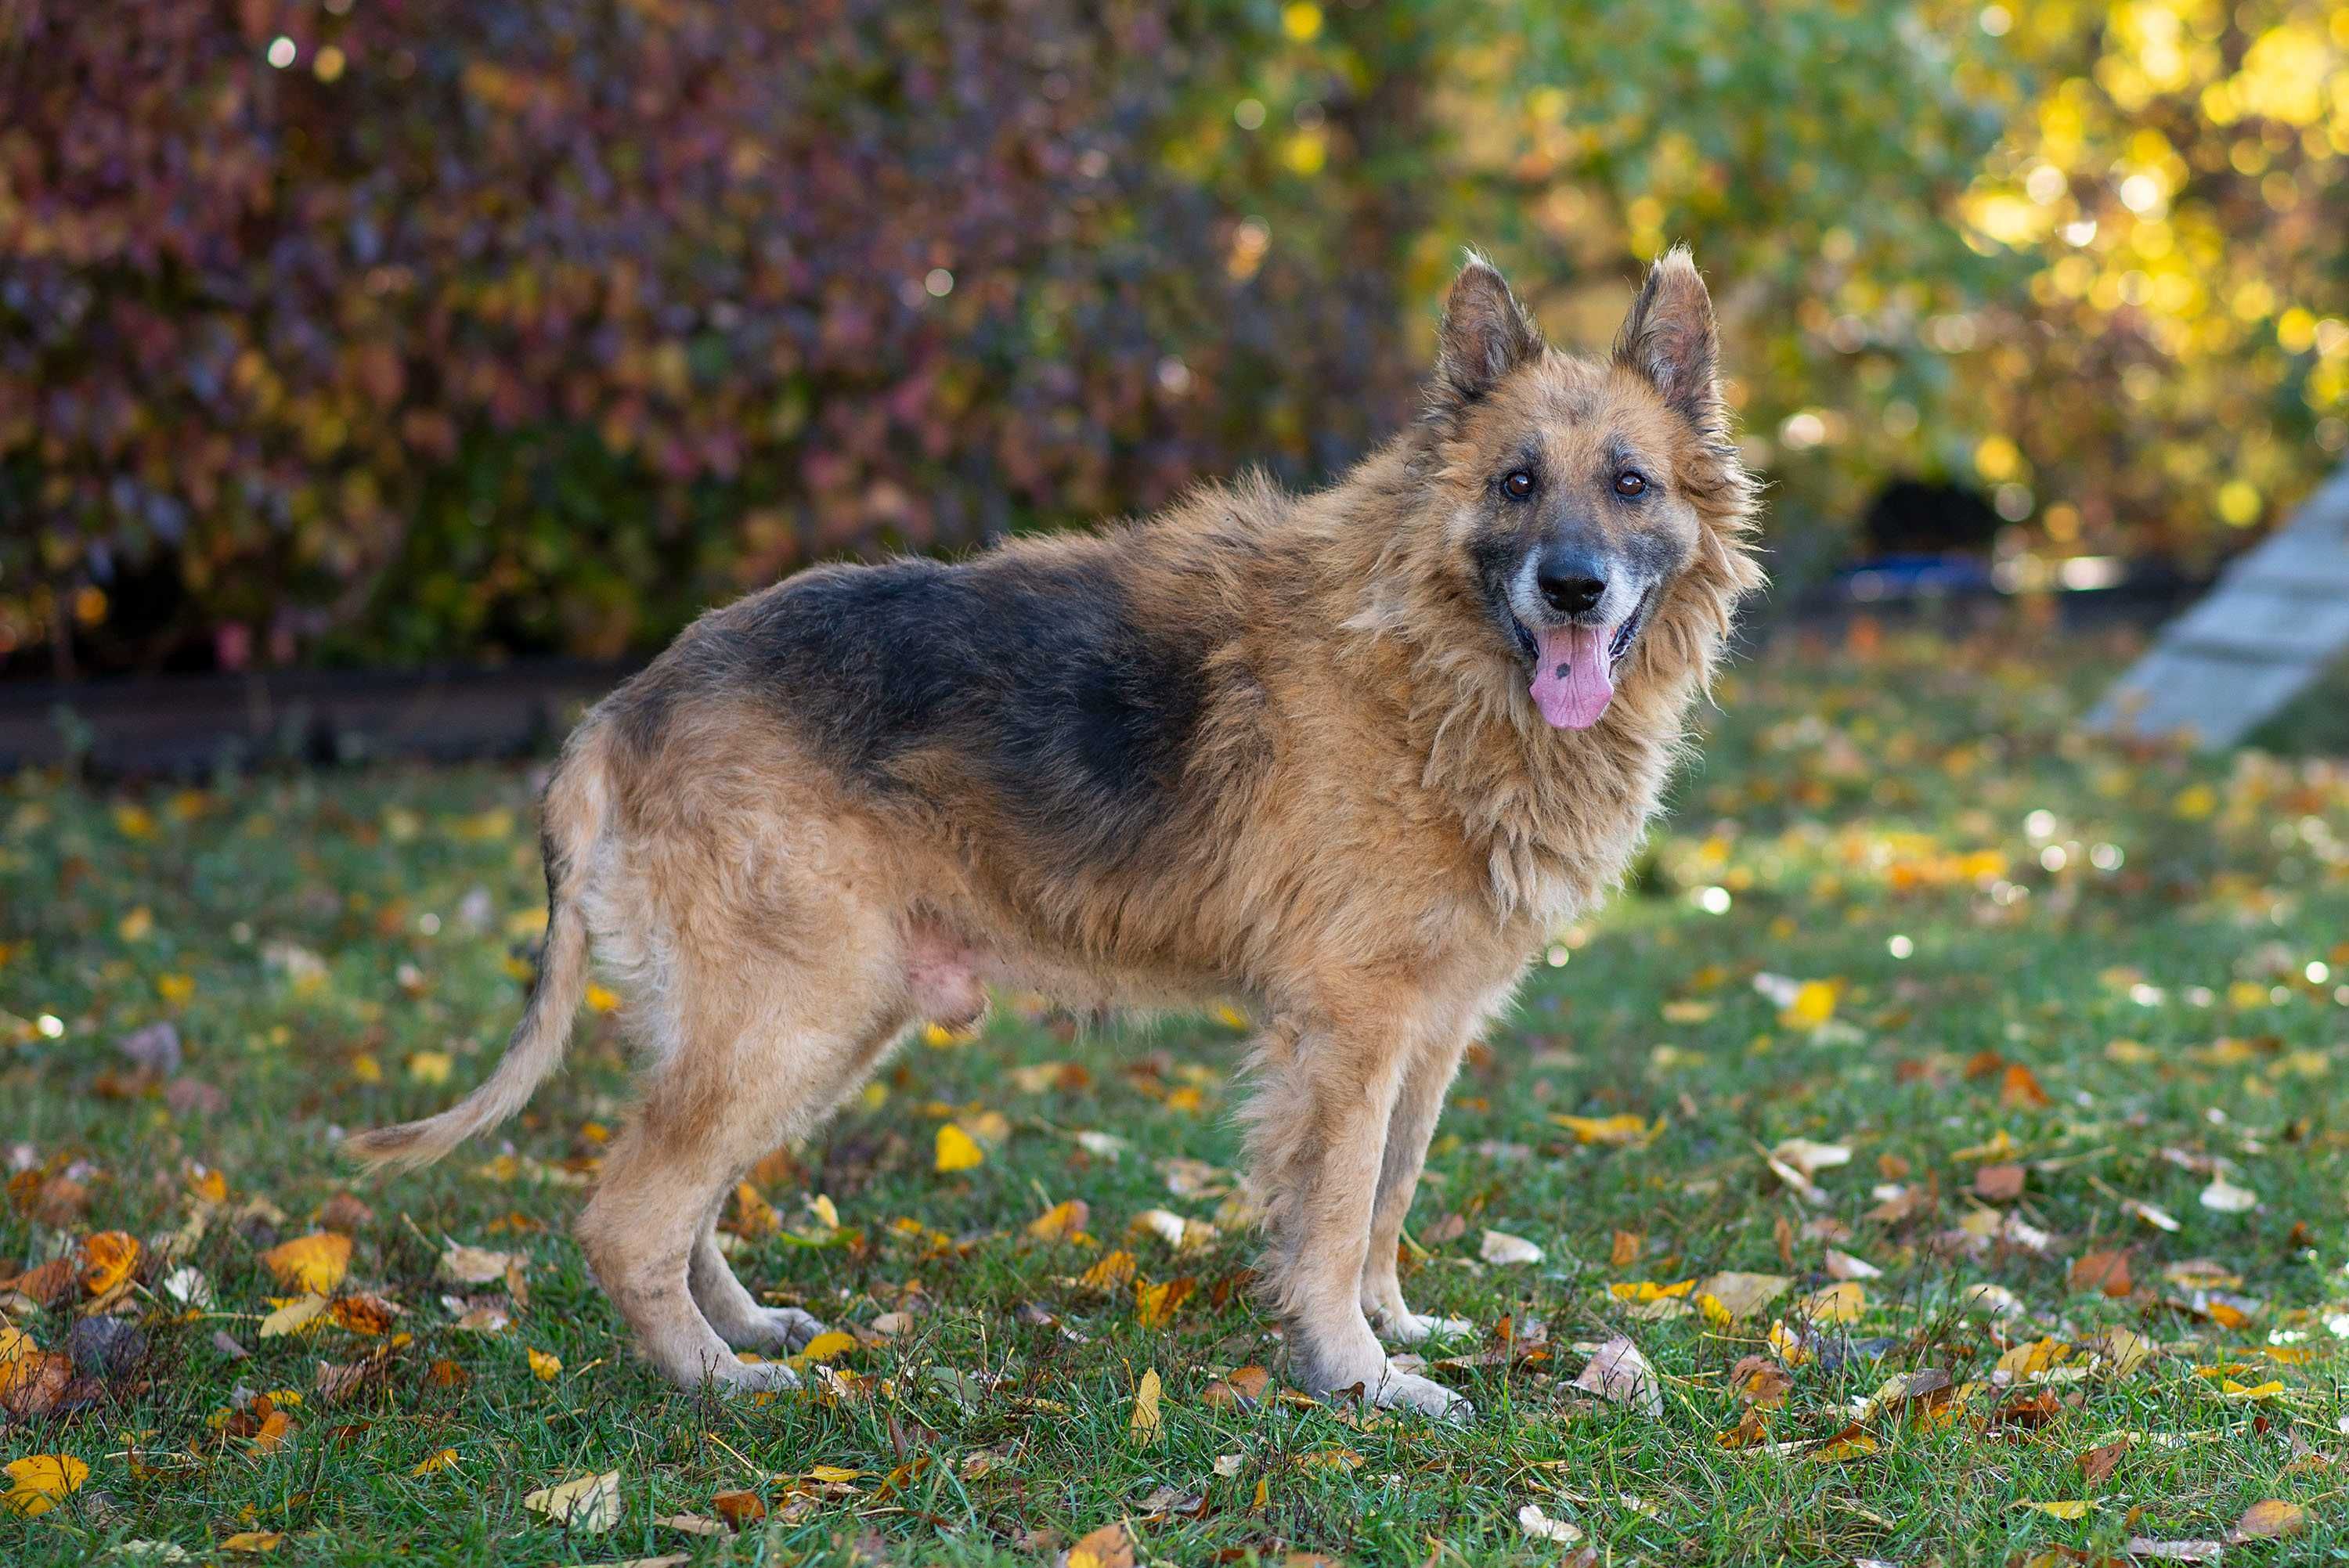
1618, 1372
2269, 1519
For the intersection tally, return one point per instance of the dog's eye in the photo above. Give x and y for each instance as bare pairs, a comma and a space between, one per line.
1518, 483
1630, 481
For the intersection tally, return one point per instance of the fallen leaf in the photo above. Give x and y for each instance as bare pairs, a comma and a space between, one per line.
476, 1266
1110, 1546
1760, 1381
2071, 1508
956, 1150
2096, 1464
37, 1482
1540, 1526
2174, 1551
2269, 1519
2159, 1219
830, 1346
313, 1263
692, 1524
2107, 1272
1808, 1159
2019, 1089
2226, 1198
1240, 1390
107, 1260
1144, 1425
1618, 1372
1154, 1304
301, 1313
1112, 1271
1061, 1222
254, 1543
435, 1463
589, 1504
1998, 1183
1843, 1265
1617, 1131
1841, 1303
1853, 1442
545, 1365
1500, 1247
1742, 1295
740, 1510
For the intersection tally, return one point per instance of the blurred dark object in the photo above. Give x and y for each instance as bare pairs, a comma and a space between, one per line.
184, 726
1914, 518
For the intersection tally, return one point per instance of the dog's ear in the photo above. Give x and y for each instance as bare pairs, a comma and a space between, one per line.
1669, 338
1487, 334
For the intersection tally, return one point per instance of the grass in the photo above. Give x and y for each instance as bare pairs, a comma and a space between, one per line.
1995, 906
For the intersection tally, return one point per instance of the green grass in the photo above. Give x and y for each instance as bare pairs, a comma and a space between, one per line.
1847, 796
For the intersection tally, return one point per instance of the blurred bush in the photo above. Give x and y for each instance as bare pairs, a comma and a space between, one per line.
396, 329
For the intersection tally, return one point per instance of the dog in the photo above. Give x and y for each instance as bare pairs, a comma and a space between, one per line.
1344, 759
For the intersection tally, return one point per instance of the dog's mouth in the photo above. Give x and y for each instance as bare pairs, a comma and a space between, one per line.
1575, 664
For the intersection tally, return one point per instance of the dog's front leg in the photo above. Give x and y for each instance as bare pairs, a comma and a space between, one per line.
1317, 1139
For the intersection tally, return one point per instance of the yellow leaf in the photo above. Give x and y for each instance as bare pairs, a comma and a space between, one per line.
107, 1260
1154, 1304
1061, 1222
1840, 1303
1814, 1004
430, 1067
2249, 1394
175, 988
1144, 1425
601, 999
18, 1353
292, 1316
1851, 1443
315, 1262
833, 1475
38, 1481
1649, 1290
1618, 1131
829, 1346
438, 1461
2269, 1518
136, 926
957, 1149
590, 1504
545, 1365
254, 1543
1109, 1272
2071, 1508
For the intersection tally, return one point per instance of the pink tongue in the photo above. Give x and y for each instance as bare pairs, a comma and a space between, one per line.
1573, 688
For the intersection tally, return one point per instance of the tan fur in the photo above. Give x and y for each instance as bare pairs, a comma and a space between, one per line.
1372, 832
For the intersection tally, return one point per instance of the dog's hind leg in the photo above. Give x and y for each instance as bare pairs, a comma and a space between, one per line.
729, 1308
1317, 1135
1412, 1123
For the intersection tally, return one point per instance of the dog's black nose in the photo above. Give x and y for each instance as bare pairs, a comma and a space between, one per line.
1570, 580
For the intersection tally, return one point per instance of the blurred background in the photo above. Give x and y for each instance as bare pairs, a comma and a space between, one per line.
378, 332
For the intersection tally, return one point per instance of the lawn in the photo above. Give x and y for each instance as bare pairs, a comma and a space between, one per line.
1945, 1114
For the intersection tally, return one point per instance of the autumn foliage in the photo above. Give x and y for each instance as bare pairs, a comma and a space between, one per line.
402, 329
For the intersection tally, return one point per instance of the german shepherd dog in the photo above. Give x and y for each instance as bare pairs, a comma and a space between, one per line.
1345, 759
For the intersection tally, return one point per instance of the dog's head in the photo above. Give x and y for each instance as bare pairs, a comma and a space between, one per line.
1587, 504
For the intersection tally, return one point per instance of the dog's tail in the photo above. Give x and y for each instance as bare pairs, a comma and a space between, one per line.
573, 815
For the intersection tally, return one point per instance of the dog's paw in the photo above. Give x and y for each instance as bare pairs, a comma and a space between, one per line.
789, 1326
1406, 1392
753, 1376
1415, 1328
